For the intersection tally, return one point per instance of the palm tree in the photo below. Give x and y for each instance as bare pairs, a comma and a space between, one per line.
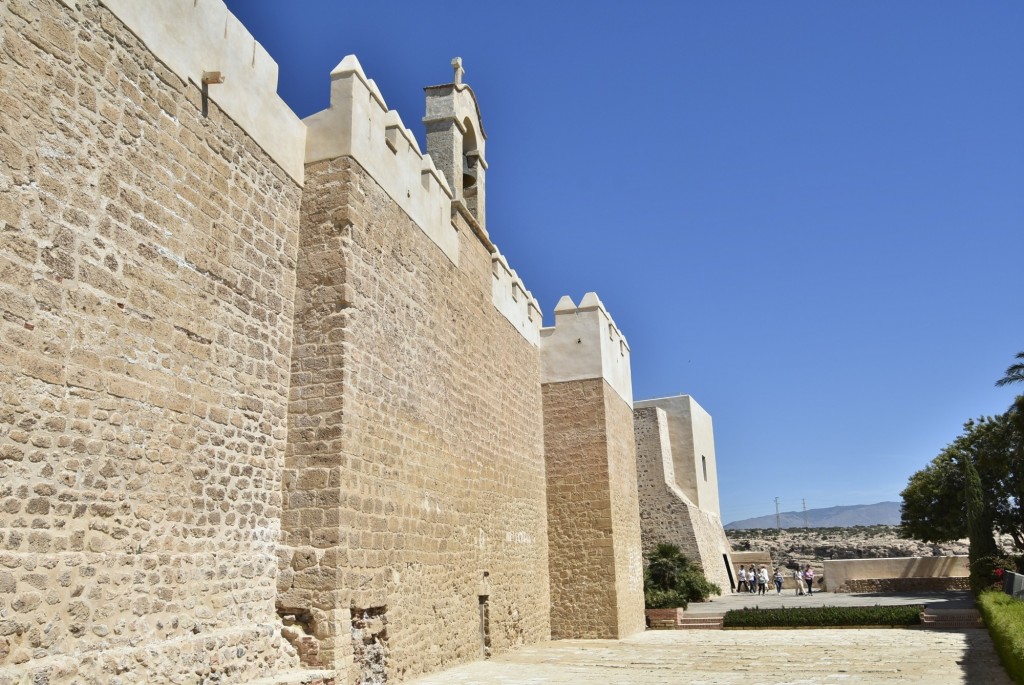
665, 565
1014, 372
672, 580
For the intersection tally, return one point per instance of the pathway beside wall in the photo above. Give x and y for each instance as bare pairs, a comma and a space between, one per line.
862, 656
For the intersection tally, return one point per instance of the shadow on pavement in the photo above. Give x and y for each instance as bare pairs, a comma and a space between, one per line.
981, 664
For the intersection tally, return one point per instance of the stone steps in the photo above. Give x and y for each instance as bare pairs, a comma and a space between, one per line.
663, 624
700, 623
692, 622
304, 677
939, 619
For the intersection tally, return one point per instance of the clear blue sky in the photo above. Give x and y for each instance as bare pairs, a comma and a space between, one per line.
807, 215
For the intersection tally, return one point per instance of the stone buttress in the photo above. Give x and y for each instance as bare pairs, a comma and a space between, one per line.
593, 519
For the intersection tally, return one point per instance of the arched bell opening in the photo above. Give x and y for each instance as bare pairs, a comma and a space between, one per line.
470, 156
471, 169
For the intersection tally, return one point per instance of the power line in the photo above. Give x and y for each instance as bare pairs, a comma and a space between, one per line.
778, 519
805, 515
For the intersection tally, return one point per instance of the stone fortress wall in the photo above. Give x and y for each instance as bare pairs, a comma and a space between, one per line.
147, 261
414, 478
276, 409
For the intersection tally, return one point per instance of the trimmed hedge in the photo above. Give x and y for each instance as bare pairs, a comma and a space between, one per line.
1004, 617
824, 617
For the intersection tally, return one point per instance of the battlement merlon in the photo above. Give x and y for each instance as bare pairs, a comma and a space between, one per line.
513, 300
585, 343
194, 37
359, 124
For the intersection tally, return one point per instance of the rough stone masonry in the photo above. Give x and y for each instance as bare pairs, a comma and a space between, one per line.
275, 407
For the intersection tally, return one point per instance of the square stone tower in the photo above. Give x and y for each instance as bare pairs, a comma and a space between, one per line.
678, 483
593, 515
692, 439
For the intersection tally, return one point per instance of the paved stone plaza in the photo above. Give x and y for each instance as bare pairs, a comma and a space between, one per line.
757, 657
746, 657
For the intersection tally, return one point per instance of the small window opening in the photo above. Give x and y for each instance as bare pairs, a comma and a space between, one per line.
485, 626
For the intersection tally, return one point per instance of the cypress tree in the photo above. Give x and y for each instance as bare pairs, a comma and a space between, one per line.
982, 549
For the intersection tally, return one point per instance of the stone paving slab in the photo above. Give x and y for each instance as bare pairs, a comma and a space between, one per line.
746, 657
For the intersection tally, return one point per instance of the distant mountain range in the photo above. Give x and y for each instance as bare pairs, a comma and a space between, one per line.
887, 513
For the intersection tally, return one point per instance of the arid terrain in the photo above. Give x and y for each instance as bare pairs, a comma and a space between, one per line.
791, 547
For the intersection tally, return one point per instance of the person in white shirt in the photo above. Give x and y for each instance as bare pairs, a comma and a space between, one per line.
762, 581
809, 577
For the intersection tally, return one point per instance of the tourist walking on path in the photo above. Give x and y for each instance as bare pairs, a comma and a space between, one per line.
798, 582
741, 586
809, 577
762, 581
778, 581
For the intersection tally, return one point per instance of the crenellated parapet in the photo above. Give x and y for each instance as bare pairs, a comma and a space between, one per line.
585, 343
359, 124
513, 300
200, 40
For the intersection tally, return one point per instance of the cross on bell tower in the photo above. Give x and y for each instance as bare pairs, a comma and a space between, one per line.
459, 71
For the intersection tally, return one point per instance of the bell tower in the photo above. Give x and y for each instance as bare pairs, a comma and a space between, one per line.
456, 142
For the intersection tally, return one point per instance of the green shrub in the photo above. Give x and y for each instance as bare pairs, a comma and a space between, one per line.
665, 599
984, 575
1004, 617
671, 580
816, 617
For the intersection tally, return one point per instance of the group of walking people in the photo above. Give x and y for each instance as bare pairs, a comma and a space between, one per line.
757, 580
